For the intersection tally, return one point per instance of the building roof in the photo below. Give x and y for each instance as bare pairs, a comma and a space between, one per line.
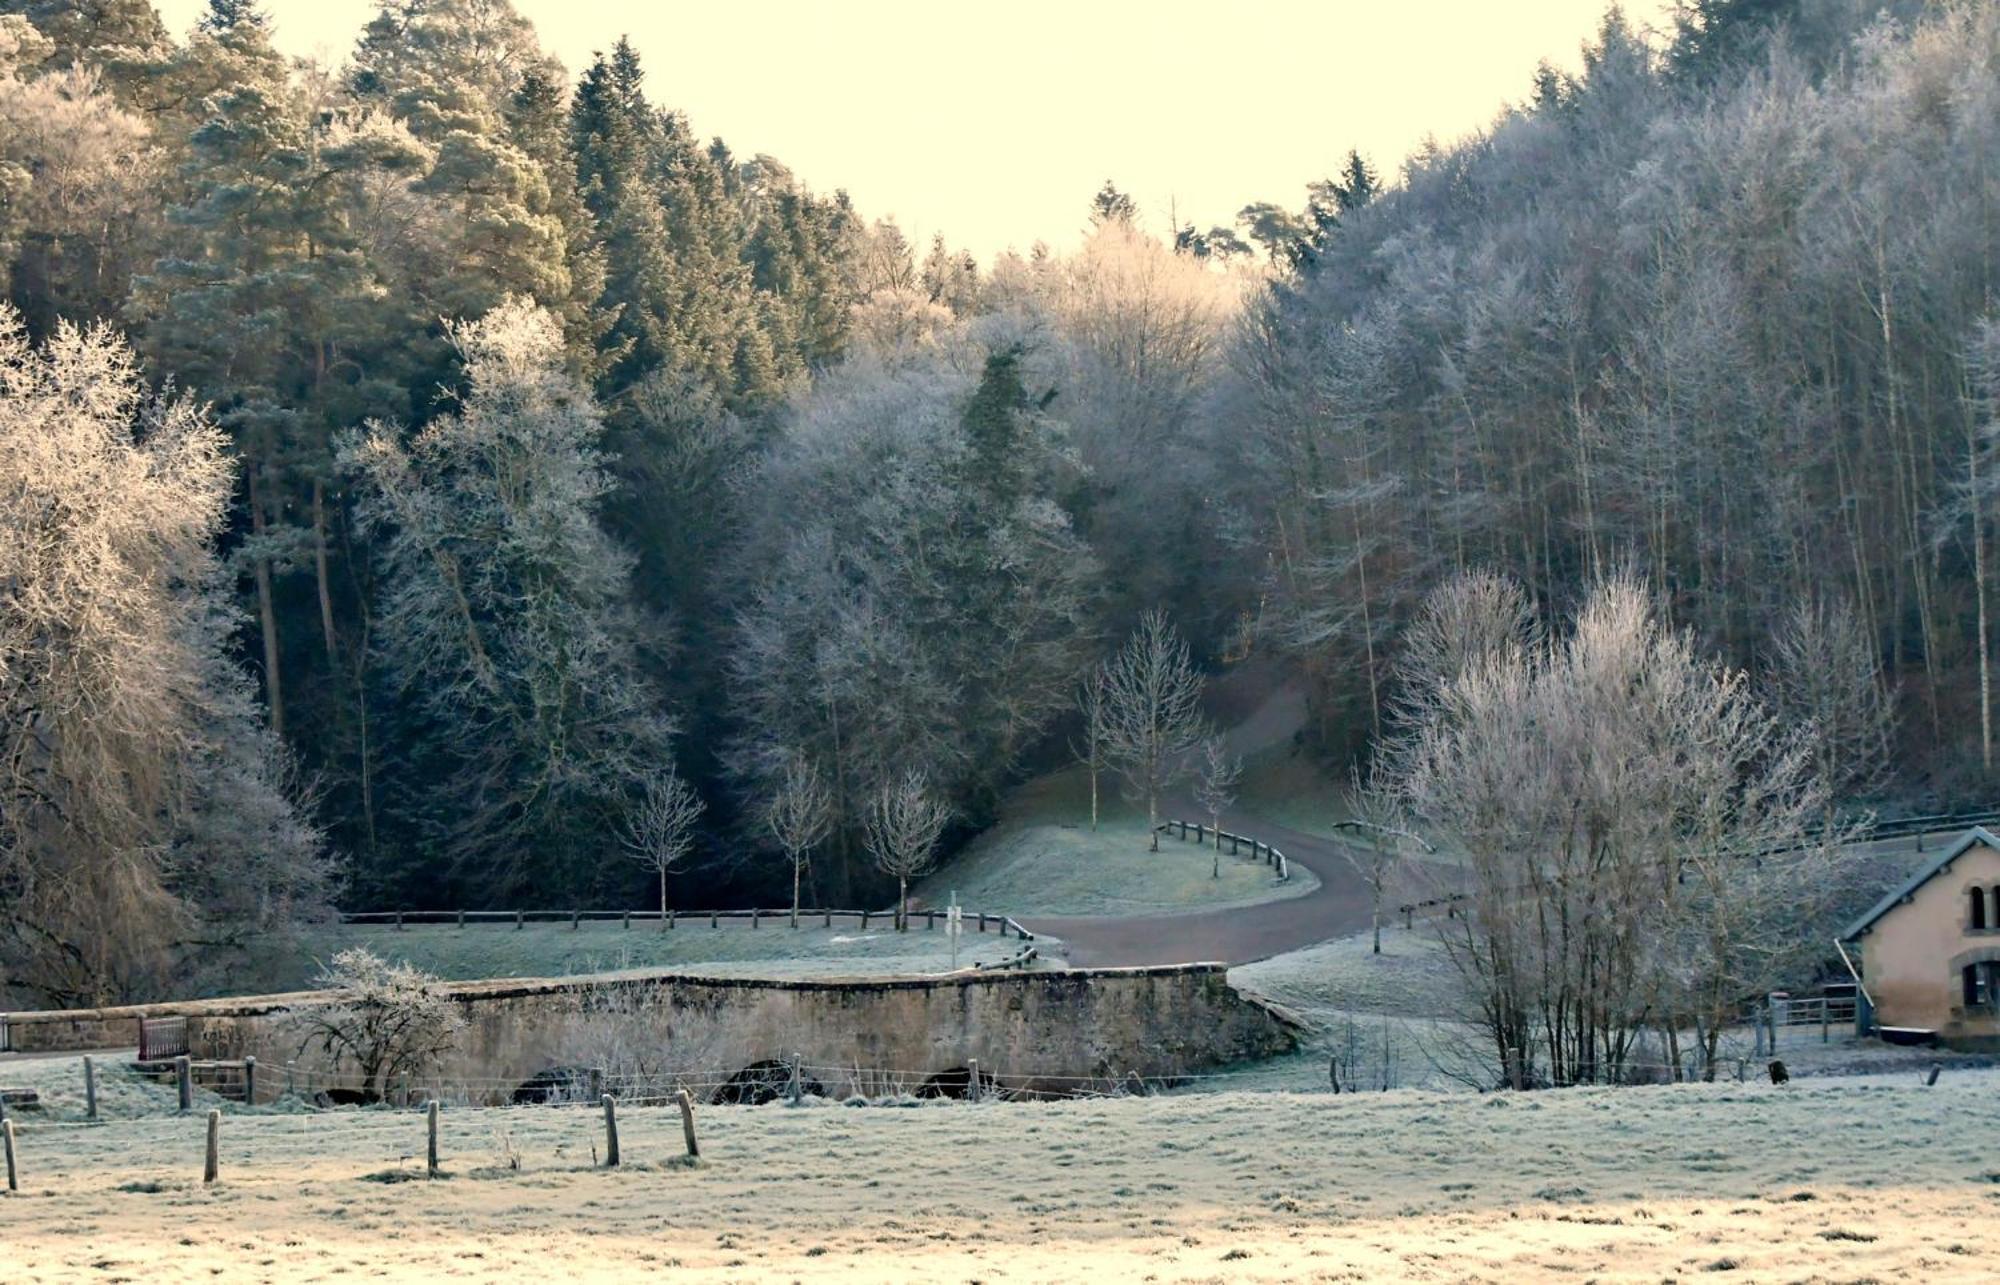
1978, 834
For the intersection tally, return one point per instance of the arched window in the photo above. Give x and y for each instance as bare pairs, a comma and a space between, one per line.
1978, 895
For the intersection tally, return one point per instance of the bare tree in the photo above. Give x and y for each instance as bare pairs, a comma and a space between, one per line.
1090, 751
1643, 842
1827, 677
1152, 706
660, 832
904, 824
390, 1020
798, 816
142, 805
1215, 782
1379, 826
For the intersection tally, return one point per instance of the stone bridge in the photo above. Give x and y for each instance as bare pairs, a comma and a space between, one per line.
1035, 1032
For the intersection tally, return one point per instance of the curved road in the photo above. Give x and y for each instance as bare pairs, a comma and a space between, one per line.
1236, 935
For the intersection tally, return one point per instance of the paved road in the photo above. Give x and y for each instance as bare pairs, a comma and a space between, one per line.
1233, 936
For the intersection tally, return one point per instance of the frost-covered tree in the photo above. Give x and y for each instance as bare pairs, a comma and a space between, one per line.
905, 822
1152, 711
1217, 775
660, 832
798, 816
505, 623
141, 804
920, 599
388, 1021
1643, 842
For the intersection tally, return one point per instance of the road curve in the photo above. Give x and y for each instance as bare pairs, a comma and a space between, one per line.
1236, 935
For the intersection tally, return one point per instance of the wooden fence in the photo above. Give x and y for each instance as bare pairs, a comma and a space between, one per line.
982, 920
1204, 835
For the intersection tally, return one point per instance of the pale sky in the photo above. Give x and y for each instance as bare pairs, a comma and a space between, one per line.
994, 123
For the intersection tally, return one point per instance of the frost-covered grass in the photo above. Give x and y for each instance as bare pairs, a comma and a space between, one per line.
555, 950
1042, 858
1830, 1180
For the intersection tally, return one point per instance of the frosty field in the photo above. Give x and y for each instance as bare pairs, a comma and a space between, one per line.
1877, 1179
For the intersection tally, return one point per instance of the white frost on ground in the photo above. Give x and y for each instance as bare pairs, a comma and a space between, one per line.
1832, 1180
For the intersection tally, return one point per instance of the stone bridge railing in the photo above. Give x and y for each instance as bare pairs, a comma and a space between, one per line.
1031, 1030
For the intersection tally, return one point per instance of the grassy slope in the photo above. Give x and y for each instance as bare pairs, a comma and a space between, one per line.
1834, 1180
1044, 859
555, 950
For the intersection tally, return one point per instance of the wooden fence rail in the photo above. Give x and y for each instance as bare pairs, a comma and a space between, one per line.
1238, 843
983, 920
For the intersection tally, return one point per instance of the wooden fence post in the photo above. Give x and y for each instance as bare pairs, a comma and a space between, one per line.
797, 1089
575, 919
13, 1175
711, 919
249, 1081
1932, 1079
211, 1162
610, 1131
864, 921
89, 1087
972, 1080
518, 919
461, 919
829, 920
184, 1076
982, 921
754, 912
687, 1123
1515, 1075
431, 1138
399, 921
628, 921
672, 916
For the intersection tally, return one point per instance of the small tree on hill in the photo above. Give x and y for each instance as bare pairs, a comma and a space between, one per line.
1152, 706
391, 1020
798, 816
1216, 778
1093, 746
660, 834
904, 824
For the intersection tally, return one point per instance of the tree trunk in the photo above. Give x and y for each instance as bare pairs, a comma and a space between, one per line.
1375, 918
663, 899
319, 569
267, 618
1979, 592
1093, 800
795, 892
902, 903
1153, 818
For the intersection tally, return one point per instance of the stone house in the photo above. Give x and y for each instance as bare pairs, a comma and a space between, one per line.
1930, 950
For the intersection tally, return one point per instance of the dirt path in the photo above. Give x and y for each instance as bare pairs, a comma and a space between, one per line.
1232, 936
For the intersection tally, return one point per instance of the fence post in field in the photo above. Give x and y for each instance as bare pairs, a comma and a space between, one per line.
89, 1088
399, 921
575, 918
211, 1161
864, 921
797, 1090
711, 919
628, 921
972, 1079
1932, 1078
461, 919
982, 921
829, 920
184, 1076
1825, 1024
754, 912
249, 1081
610, 1131
687, 1123
431, 1138
1515, 1075
13, 1175
672, 915
518, 917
